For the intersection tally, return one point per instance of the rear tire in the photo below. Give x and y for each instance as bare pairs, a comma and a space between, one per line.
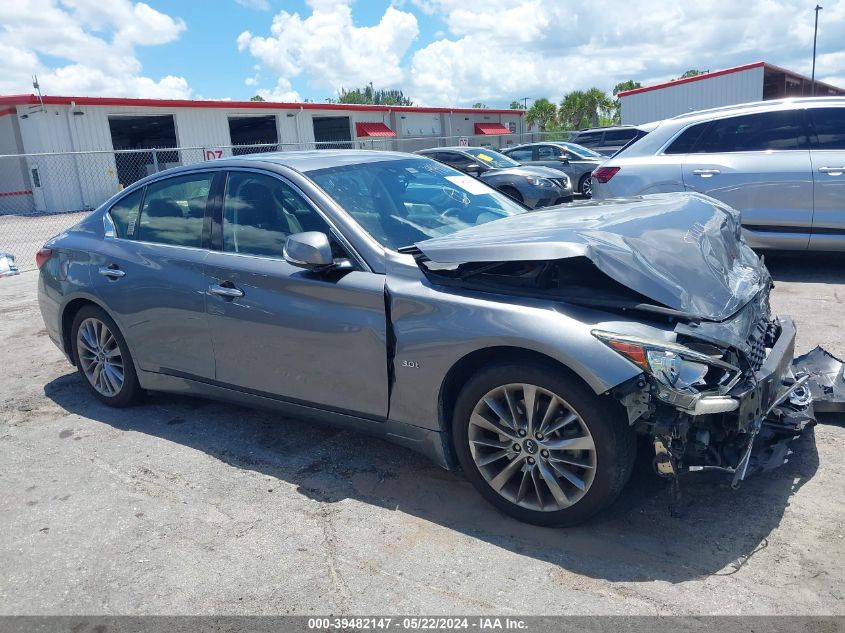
525, 469
102, 358
585, 186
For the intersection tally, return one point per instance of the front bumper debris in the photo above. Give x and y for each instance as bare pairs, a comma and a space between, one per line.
826, 383
749, 429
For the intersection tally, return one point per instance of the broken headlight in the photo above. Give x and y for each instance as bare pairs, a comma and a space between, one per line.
674, 366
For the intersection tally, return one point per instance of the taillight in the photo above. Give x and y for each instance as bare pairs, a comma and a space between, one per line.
604, 174
42, 256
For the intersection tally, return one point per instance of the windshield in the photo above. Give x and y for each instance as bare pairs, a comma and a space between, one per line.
491, 158
580, 150
400, 202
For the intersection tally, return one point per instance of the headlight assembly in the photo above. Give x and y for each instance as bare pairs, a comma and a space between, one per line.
674, 366
535, 181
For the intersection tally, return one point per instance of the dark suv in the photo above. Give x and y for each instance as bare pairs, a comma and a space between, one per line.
608, 140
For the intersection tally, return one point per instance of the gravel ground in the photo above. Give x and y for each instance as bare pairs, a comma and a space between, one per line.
183, 506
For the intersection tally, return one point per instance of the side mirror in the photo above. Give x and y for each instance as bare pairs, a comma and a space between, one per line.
473, 169
310, 250
564, 159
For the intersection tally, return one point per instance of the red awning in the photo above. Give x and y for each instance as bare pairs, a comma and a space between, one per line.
373, 129
491, 129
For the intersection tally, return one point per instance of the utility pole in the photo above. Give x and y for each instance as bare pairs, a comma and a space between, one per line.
815, 35
522, 119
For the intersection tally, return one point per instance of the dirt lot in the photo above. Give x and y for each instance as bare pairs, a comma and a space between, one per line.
183, 506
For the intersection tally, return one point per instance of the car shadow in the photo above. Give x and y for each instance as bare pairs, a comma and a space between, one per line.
638, 539
806, 267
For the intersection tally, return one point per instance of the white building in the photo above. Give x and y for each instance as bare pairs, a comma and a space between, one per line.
752, 82
109, 132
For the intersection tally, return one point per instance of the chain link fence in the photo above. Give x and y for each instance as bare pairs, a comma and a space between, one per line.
42, 195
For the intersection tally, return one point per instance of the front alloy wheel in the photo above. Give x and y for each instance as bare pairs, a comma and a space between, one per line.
539, 444
532, 447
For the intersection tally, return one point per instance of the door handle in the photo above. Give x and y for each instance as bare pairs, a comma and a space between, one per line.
112, 272
833, 171
706, 173
230, 292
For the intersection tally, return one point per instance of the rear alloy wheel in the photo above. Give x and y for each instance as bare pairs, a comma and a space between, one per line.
586, 186
103, 358
539, 446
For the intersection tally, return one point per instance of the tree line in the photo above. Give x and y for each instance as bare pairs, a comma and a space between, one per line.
578, 109
583, 108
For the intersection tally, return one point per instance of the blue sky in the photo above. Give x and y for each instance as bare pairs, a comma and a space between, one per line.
440, 52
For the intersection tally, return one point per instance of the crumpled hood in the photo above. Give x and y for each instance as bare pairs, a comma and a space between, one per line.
527, 170
681, 250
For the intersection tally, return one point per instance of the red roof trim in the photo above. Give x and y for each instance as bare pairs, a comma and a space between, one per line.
678, 82
373, 129
233, 105
491, 129
726, 71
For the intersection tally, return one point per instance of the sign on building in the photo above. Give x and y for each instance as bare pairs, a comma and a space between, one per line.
463, 142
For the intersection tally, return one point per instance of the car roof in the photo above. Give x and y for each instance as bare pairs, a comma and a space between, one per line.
310, 160
456, 148
606, 128
754, 106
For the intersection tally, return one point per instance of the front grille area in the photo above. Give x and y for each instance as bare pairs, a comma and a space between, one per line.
560, 182
764, 335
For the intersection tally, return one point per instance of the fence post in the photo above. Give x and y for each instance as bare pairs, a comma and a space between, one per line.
155, 159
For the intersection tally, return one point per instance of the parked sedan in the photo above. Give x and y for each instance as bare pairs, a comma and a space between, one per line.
780, 163
575, 161
390, 293
532, 186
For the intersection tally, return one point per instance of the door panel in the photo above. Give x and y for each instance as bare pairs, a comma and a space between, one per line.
759, 165
308, 337
159, 304
317, 338
828, 159
154, 288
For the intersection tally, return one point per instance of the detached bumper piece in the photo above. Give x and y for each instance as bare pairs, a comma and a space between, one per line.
768, 410
827, 384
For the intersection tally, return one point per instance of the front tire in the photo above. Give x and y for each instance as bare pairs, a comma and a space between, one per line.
539, 445
102, 358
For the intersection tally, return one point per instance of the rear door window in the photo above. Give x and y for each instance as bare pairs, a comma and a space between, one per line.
828, 127
590, 139
754, 133
618, 138
548, 152
174, 210
521, 154
124, 214
686, 142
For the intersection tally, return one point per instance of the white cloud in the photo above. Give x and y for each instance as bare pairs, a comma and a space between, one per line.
258, 5
506, 49
547, 48
97, 41
331, 50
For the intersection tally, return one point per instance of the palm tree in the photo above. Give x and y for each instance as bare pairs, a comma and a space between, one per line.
542, 113
583, 108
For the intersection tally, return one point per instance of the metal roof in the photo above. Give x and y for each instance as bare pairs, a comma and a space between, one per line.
30, 99
717, 73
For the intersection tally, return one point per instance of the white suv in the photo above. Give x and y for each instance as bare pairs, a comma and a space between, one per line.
780, 163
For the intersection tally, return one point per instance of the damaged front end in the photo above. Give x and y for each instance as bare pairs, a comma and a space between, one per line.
713, 408
718, 388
